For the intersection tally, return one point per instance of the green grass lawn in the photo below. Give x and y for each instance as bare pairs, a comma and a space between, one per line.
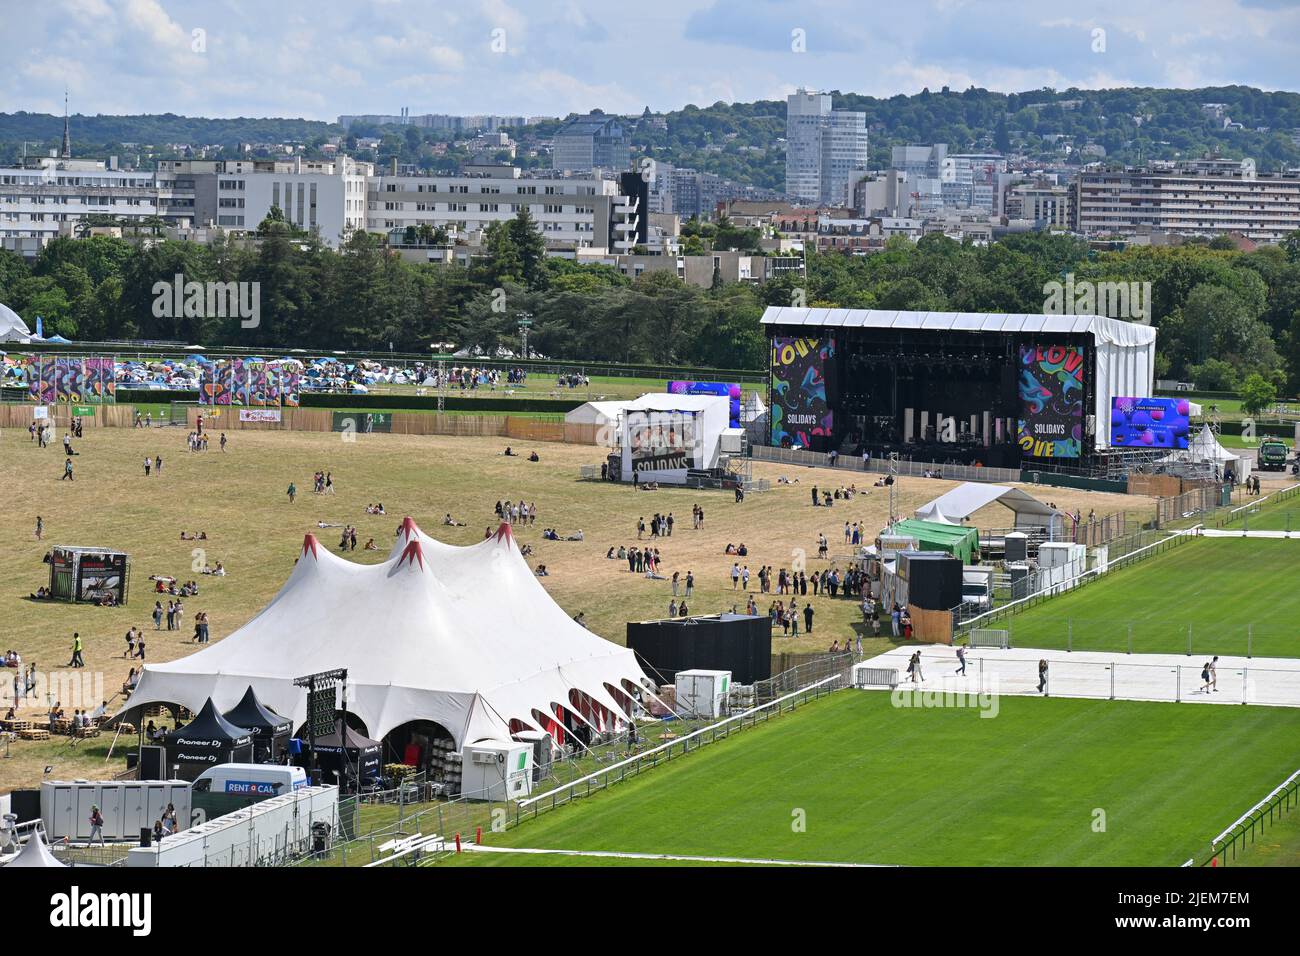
1271, 515
1278, 845
1216, 586
875, 783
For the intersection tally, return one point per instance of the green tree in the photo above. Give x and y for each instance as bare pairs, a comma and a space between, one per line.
1257, 394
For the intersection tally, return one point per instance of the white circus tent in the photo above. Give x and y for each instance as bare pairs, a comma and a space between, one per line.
35, 854
466, 637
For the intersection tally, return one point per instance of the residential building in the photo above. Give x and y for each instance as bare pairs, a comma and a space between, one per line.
825, 149
573, 213
1201, 198
592, 142
55, 196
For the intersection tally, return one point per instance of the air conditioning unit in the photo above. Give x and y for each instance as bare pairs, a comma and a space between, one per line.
487, 756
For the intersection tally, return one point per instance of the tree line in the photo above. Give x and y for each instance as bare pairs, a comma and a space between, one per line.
1222, 315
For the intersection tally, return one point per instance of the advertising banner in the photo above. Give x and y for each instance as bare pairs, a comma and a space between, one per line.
1051, 397
661, 445
801, 413
1150, 422
49, 381
363, 422
259, 414
101, 575
729, 390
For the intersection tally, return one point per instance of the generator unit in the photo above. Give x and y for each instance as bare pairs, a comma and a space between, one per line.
703, 693
496, 770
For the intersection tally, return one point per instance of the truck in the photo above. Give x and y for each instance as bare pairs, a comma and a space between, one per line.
1272, 455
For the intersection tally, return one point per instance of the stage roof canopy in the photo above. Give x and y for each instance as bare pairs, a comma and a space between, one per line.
1102, 328
968, 498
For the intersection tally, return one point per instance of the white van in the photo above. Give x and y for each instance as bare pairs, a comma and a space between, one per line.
252, 779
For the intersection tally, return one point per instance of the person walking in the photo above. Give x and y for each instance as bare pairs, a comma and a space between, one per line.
961, 660
148, 464
67, 471
1214, 674
96, 825
223, 442
292, 492
76, 660
1205, 678
916, 673
744, 577
690, 583
40, 528
735, 576
894, 616
1042, 676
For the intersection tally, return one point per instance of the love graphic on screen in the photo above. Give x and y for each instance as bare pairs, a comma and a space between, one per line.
1051, 397
800, 410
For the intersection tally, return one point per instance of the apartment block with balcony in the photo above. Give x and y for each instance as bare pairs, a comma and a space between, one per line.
1198, 198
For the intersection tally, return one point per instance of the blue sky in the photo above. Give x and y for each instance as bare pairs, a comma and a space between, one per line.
549, 57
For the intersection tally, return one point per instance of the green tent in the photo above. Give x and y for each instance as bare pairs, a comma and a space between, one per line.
957, 540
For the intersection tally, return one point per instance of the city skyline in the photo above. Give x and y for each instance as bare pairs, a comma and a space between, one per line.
228, 58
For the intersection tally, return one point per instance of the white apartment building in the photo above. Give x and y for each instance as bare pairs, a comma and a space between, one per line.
1203, 198
825, 149
569, 212
52, 196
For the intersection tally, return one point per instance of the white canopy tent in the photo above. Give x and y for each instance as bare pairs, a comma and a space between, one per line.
596, 413
963, 501
35, 854
466, 637
1205, 448
13, 328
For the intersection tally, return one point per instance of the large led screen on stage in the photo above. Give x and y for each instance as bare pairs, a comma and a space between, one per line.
1150, 422
1051, 401
801, 413
729, 390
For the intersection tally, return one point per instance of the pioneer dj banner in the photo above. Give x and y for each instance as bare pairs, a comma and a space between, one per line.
801, 413
1051, 396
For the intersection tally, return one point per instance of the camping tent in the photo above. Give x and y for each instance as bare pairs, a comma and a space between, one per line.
35, 854
968, 498
465, 637
206, 741
361, 752
13, 328
270, 731
960, 542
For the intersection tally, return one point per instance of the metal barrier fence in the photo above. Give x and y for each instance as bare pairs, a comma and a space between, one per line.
603, 779
1265, 684
1260, 513
1130, 549
1122, 635
902, 468
804, 675
1253, 824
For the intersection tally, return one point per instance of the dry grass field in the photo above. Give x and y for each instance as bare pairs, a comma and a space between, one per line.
239, 499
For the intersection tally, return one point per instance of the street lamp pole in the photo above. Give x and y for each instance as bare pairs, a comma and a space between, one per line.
525, 320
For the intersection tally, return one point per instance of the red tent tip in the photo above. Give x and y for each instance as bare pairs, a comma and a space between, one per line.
409, 527
504, 533
412, 552
309, 543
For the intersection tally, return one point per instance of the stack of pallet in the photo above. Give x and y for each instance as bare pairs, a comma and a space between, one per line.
452, 774
741, 697
444, 763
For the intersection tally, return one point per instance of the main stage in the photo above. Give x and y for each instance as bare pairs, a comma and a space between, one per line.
994, 389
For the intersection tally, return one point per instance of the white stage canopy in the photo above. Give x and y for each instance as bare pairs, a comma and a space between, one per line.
466, 637
966, 499
13, 328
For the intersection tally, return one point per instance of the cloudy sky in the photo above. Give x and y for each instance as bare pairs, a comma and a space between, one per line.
320, 58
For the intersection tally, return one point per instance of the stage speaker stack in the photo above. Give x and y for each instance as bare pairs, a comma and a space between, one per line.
934, 582
731, 642
909, 424
1017, 547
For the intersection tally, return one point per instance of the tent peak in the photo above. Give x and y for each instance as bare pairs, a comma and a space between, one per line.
504, 533
409, 528
309, 543
412, 552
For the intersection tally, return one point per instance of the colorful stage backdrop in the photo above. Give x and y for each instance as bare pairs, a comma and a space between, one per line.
1051, 397
801, 414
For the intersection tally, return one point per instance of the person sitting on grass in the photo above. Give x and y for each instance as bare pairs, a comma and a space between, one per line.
451, 522
370, 545
541, 571
576, 536
509, 453
534, 457
550, 534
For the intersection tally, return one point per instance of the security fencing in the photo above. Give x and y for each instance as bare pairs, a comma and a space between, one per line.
903, 468
1254, 824
1268, 683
